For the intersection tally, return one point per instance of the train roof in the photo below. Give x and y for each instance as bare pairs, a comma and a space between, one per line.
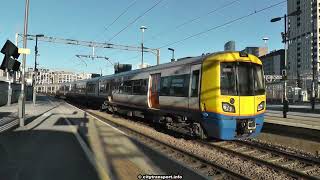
231, 56
218, 56
179, 62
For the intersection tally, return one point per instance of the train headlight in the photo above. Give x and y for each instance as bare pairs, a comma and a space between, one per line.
228, 107
261, 106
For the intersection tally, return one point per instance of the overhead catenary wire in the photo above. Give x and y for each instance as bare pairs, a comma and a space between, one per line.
194, 19
106, 28
121, 14
135, 20
219, 26
222, 25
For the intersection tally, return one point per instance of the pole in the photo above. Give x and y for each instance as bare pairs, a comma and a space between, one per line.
142, 47
15, 73
9, 88
158, 56
22, 94
285, 99
142, 50
35, 72
173, 54
314, 65
313, 98
141, 55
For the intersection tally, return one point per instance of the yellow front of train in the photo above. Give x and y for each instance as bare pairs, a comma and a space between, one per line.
233, 97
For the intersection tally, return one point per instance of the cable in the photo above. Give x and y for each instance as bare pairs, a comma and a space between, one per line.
126, 10
224, 24
136, 19
114, 21
194, 19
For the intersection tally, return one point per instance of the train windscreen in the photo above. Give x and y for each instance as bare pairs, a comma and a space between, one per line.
241, 79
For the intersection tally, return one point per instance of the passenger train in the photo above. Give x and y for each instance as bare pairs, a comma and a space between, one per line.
219, 95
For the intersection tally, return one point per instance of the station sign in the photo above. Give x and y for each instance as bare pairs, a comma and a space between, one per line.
23, 51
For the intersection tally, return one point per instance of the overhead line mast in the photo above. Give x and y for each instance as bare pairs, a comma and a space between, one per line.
94, 44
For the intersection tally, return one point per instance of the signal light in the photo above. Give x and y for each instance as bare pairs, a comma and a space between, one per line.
10, 50
16, 65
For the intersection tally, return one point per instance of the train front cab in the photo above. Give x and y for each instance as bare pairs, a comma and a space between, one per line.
233, 96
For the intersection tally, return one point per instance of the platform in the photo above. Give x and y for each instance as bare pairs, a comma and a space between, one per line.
60, 141
303, 108
294, 119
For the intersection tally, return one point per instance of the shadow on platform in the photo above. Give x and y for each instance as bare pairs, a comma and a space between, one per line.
43, 154
53, 153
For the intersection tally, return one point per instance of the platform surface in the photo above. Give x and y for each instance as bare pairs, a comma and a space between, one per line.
60, 141
294, 119
48, 147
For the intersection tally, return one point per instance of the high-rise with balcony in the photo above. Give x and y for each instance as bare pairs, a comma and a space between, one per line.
303, 40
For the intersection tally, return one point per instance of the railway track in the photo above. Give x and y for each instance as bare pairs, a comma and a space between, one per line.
293, 165
195, 162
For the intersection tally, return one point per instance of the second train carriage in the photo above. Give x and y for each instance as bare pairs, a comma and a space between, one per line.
221, 95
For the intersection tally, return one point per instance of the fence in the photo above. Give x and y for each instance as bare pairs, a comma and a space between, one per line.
16, 89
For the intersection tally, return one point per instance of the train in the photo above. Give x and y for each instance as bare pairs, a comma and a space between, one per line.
220, 95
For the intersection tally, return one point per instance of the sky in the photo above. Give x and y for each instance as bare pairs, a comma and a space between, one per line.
187, 22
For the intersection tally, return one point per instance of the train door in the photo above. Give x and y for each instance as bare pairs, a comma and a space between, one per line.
246, 89
194, 87
154, 90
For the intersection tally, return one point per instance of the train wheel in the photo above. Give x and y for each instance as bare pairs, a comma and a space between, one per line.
199, 131
101, 108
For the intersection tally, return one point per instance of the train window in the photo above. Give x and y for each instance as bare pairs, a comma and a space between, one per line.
127, 87
259, 86
103, 87
115, 86
144, 87
139, 87
165, 86
91, 88
228, 79
174, 86
179, 86
121, 88
195, 83
136, 87
245, 79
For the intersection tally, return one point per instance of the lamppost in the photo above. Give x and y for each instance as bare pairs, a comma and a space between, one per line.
265, 40
285, 101
172, 50
35, 70
314, 83
142, 29
21, 107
